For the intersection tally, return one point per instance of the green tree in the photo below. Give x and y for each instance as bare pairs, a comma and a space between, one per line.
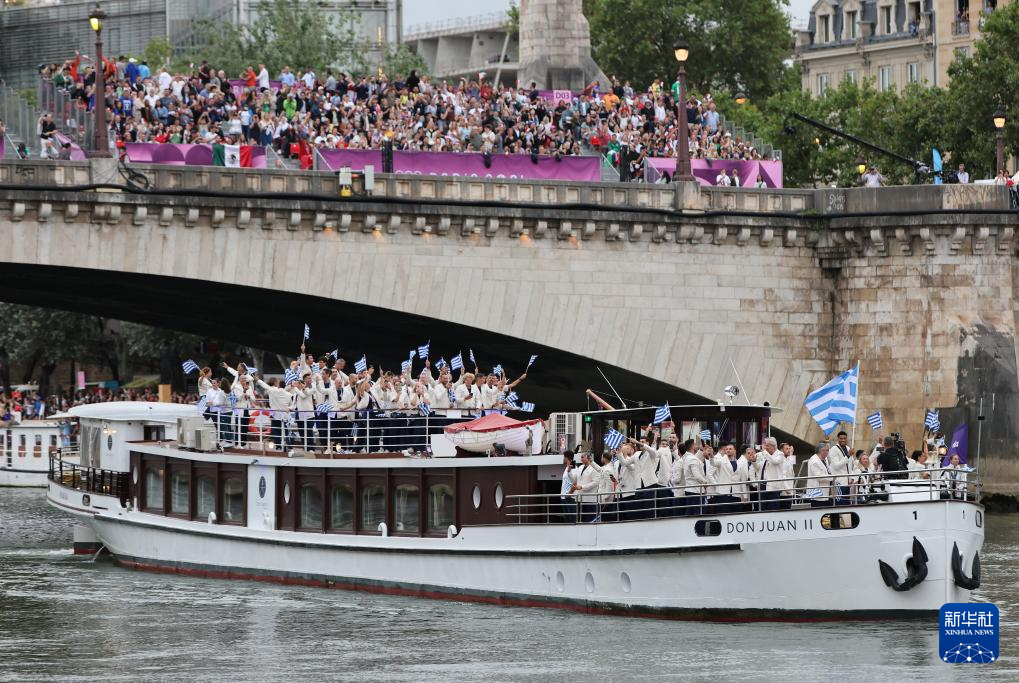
38, 339
737, 44
284, 33
399, 60
157, 52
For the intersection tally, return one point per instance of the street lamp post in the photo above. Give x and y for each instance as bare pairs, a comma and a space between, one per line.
100, 139
683, 171
999, 130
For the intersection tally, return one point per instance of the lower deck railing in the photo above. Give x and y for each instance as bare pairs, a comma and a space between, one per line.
89, 479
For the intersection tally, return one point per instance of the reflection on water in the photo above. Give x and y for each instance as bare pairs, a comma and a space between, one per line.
65, 617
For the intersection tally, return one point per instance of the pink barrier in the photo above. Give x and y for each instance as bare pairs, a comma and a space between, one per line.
181, 155
586, 169
238, 86
706, 170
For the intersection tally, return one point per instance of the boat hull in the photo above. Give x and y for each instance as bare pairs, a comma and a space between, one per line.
22, 478
779, 566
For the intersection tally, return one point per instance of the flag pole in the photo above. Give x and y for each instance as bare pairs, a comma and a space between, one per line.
856, 403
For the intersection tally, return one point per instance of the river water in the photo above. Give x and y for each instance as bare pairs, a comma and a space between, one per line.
68, 618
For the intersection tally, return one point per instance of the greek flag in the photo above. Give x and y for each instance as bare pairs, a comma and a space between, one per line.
933, 421
413, 354
189, 366
307, 331
527, 407
423, 351
202, 404
512, 403
497, 370
470, 354
705, 435
424, 409
290, 376
452, 396
835, 402
440, 364
231, 398
251, 370
875, 421
361, 365
335, 353
662, 414
812, 493
614, 439
323, 408
457, 362
531, 362
512, 397
405, 366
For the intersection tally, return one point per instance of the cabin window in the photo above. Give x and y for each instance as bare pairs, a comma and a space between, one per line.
750, 433
154, 475
38, 439
440, 507
24, 442
707, 527
407, 506
53, 439
373, 507
233, 500
341, 507
205, 496
840, 520
154, 432
311, 506
180, 492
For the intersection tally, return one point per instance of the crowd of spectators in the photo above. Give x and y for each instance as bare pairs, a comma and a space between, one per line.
301, 109
20, 405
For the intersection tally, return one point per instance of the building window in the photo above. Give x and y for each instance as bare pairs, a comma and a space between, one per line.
341, 507
886, 20
884, 78
153, 487
825, 29
913, 72
311, 506
851, 29
440, 507
822, 84
205, 496
960, 52
373, 507
851, 76
233, 500
406, 511
180, 492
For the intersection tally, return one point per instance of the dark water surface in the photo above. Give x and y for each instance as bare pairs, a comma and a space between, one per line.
67, 618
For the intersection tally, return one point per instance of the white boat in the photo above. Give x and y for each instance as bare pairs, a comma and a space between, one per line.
25, 449
496, 530
485, 433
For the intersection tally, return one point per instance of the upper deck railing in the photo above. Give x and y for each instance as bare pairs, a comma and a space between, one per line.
857, 489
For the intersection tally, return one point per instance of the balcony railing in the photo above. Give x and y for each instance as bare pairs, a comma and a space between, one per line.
88, 479
960, 28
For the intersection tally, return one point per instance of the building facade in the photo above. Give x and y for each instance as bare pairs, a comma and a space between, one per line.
465, 46
894, 42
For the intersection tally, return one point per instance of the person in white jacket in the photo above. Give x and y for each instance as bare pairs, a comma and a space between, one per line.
723, 466
280, 401
587, 481
304, 405
695, 481
819, 478
771, 463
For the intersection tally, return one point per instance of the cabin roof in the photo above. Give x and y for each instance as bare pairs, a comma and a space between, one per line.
132, 411
720, 407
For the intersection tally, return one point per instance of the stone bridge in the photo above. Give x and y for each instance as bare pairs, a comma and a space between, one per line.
665, 288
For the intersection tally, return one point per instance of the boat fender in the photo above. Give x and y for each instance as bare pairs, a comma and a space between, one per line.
916, 569
961, 580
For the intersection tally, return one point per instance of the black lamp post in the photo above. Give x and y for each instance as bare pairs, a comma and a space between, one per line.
683, 171
100, 139
999, 134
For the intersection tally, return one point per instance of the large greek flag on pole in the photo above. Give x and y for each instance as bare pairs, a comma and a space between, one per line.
835, 402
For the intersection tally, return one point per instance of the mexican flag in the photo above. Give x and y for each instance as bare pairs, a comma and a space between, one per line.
234, 156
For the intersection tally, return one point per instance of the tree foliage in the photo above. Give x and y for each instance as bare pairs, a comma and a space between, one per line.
399, 60
290, 33
735, 44
157, 52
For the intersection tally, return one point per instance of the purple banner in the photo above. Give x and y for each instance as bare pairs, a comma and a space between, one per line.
181, 155
238, 87
585, 169
707, 170
959, 445
77, 153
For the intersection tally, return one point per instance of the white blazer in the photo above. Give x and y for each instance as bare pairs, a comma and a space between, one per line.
819, 476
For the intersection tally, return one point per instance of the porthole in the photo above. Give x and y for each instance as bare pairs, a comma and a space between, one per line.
498, 496
624, 579
589, 582
980, 519
134, 474
708, 527
476, 497
840, 520
86, 500
261, 487
286, 492
560, 582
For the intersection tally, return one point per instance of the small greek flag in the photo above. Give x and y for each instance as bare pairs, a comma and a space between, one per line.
202, 404
405, 366
452, 396
497, 370
251, 370
323, 408
290, 376
470, 354
440, 364
231, 398
614, 439
812, 493
835, 402
423, 351
335, 353
705, 435
933, 421
512, 397
189, 366
413, 354
457, 362
425, 409
512, 403
361, 365
662, 414
531, 362
307, 331
875, 421
527, 407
